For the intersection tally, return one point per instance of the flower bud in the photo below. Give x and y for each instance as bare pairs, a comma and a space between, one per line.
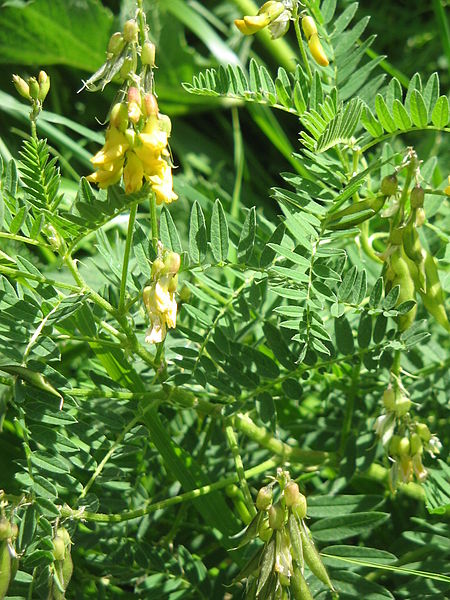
116, 43
291, 494
402, 406
309, 27
165, 124
148, 54
394, 445
173, 283
416, 444
157, 267
272, 10
317, 52
5, 529
21, 86
389, 185
134, 102
423, 431
150, 105
389, 398
417, 197
420, 217
44, 85
172, 262
299, 509
130, 31
276, 516
404, 447
34, 87
264, 498
127, 68
264, 531
119, 116
59, 548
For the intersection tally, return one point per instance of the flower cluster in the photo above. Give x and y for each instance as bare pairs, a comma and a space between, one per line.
159, 296
274, 15
280, 564
136, 147
407, 446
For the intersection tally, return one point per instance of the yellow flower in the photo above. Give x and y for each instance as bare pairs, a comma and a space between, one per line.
267, 14
162, 184
116, 145
133, 173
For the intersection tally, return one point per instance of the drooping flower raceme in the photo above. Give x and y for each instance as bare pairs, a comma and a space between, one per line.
159, 297
136, 147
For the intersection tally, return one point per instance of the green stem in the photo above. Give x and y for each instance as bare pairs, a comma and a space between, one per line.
126, 257
444, 30
350, 407
154, 222
301, 45
238, 162
234, 447
204, 490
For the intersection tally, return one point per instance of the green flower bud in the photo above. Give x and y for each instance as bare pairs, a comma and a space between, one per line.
157, 267
423, 431
130, 31
148, 54
127, 67
21, 86
291, 494
417, 197
402, 406
119, 116
404, 447
389, 185
172, 262
264, 531
34, 88
165, 124
299, 509
276, 516
416, 444
116, 43
44, 85
389, 398
264, 498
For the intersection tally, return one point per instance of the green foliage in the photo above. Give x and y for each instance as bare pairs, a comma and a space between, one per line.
288, 329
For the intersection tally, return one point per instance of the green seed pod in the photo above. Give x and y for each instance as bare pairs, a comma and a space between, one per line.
299, 587
276, 516
389, 398
5, 568
433, 296
64, 534
148, 54
5, 529
402, 406
355, 214
417, 197
116, 44
416, 444
300, 508
296, 540
264, 498
394, 445
130, 31
172, 262
402, 277
423, 431
411, 243
312, 557
404, 447
59, 548
128, 66
389, 185
291, 494
264, 531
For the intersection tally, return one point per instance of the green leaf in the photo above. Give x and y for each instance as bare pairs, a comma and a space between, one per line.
247, 237
418, 110
340, 528
344, 335
299, 100
352, 585
168, 232
76, 33
400, 114
350, 553
342, 504
197, 234
364, 330
431, 92
377, 293
370, 123
219, 233
384, 115
440, 112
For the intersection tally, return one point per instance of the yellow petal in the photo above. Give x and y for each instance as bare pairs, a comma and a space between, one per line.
162, 185
244, 28
133, 173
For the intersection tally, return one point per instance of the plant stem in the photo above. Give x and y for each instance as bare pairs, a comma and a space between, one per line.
301, 45
238, 162
234, 447
154, 222
348, 417
65, 512
126, 257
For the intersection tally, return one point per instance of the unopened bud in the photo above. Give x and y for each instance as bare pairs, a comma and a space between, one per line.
272, 10
34, 87
172, 262
276, 516
130, 31
300, 508
404, 447
157, 267
44, 85
291, 494
59, 548
389, 398
424, 432
127, 67
416, 444
119, 116
394, 445
389, 185
64, 534
150, 105
21, 86
264, 531
148, 54
165, 124
116, 43
264, 498
417, 197
14, 531
172, 287
309, 27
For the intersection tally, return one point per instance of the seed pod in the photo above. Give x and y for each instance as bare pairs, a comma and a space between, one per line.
317, 52
59, 548
404, 447
116, 43
423, 431
420, 217
128, 66
400, 275
130, 30
389, 185
291, 494
402, 406
312, 557
264, 498
411, 243
276, 516
264, 531
296, 540
416, 444
394, 445
389, 398
417, 197
299, 587
309, 27
355, 214
5, 568
299, 509
433, 296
